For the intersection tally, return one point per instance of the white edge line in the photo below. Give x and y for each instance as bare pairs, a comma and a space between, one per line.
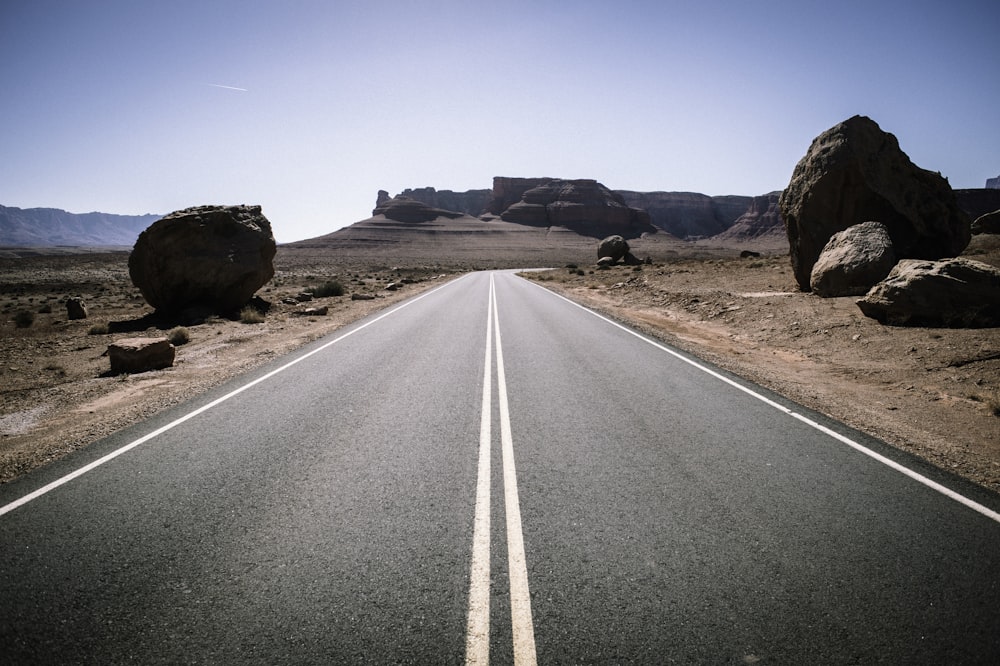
920, 478
520, 597
477, 637
204, 408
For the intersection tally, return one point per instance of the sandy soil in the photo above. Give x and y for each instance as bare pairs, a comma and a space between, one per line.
933, 392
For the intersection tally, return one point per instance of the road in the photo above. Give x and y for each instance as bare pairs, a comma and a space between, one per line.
490, 472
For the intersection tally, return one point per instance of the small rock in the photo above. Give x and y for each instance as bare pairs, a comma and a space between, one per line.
317, 312
76, 308
133, 355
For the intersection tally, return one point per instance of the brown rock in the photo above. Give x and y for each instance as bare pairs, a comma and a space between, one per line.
853, 261
855, 172
134, 355
955, 293
210, 256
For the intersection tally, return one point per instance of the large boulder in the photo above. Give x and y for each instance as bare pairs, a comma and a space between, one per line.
853, 260
134, 355
955, 293
855, 172
614, 248
212, 257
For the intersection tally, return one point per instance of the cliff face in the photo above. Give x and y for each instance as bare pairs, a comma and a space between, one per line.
584, 206
472, 202
689, 214
761, 220
51, 226
508, 191
588, 207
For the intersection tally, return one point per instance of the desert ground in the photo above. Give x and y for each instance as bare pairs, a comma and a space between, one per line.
932, 392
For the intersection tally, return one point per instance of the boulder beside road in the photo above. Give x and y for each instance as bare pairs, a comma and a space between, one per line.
855, 172
207, 256
953, 293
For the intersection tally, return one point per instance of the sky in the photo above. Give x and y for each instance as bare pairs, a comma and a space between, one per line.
309, 107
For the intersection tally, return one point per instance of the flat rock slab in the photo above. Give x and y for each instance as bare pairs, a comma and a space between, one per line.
132, 355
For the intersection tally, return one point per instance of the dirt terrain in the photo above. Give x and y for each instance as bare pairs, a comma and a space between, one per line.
933, 392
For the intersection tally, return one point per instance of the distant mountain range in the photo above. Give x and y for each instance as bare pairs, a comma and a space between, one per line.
48, 227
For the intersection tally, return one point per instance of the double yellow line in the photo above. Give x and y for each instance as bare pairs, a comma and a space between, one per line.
477, 645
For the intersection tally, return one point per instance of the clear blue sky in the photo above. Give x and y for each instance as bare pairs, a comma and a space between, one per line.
308, 108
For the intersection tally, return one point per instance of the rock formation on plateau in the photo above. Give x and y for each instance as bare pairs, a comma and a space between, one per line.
584, 206
212, 257
411, 211
855, 172
689, 214
471, 202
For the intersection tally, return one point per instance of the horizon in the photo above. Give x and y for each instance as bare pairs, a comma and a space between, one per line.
309, 110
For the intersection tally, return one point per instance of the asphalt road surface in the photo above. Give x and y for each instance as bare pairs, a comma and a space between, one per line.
490, 472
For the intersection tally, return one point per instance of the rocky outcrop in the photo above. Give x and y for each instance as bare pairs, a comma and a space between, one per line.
954, 293
212, 257
853, 261
584, 206
761, 220
855, 172
134, 355
410, 211
683, 214
509, 191
471, 202
987, 224
689, 214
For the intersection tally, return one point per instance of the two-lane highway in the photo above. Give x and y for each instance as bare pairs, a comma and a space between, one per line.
491, 472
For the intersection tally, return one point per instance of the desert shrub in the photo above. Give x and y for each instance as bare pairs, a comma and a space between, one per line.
24, 319
45, 309
328, 288
98, 329
251, 315
179, 336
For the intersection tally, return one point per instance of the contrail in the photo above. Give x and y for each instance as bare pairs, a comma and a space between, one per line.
217, 85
